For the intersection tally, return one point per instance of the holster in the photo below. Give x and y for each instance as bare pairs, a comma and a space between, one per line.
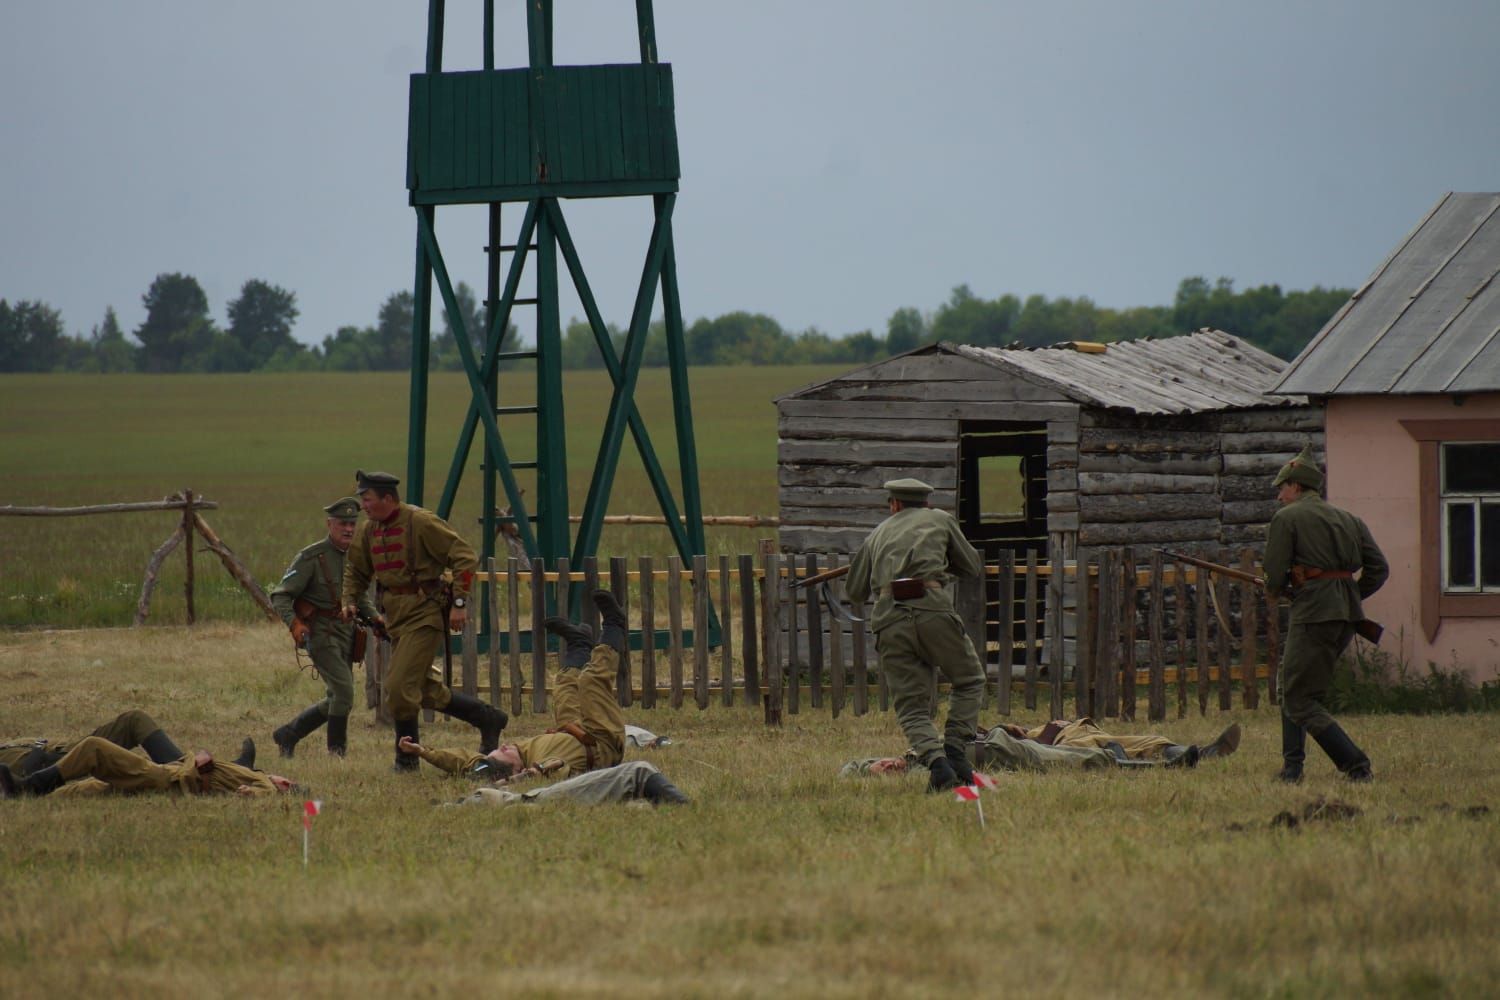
908, 588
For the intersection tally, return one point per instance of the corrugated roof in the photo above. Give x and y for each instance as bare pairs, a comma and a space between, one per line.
1200, 372
1427, 320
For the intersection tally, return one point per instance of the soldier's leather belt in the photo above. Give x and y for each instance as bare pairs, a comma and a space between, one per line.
420, 587
1300, 573
306, 609
911, 588
576, 731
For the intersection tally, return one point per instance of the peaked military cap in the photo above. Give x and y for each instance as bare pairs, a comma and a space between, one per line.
344, 508
366, 480
908, 489
1301, 470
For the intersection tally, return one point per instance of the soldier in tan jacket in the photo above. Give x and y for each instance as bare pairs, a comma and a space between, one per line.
405, 550
95, 765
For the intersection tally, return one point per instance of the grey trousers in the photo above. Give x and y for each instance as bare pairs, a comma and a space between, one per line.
621, 783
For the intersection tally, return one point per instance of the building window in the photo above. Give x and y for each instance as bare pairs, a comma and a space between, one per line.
1471, 517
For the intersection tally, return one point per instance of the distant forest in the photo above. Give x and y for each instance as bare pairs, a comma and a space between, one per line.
180, 335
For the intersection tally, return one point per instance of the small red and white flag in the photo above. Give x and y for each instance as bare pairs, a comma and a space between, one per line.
982, 780
966, 793
310, 808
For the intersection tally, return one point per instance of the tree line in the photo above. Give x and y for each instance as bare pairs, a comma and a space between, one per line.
179, 334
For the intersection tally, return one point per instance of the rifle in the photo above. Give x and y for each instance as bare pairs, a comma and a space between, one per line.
821, 579
1366, 628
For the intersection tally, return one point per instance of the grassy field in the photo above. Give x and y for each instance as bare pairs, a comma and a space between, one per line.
779, 880
274, 449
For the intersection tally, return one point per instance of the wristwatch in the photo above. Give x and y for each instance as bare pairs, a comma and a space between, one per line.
460, 602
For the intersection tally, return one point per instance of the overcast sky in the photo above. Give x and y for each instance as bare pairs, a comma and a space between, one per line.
840, 159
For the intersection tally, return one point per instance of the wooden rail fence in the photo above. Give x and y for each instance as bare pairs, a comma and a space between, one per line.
712, 630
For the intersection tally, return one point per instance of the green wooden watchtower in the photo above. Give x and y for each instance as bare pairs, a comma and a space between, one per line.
532, 137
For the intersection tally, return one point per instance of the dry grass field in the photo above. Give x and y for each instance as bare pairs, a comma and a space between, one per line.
273, 449
779, 880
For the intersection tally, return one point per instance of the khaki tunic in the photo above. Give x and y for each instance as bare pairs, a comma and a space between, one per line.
412, 548
1086, 733
316, 575
584, 697
113, 768
1309, 531
923, 636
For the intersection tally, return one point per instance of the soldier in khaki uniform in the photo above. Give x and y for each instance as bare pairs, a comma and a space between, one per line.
96, 765
127, 730
405, 550
590, 730
1315, 550
907, 564
308, 600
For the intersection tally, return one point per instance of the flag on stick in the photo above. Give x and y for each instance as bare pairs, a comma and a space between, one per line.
982, 780
970, 793
310, 808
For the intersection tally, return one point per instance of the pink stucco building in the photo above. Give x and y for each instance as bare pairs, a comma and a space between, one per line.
1410, 372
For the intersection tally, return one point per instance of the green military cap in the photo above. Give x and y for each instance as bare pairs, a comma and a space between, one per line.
344, 508
366, 480
908, 489
1301, 470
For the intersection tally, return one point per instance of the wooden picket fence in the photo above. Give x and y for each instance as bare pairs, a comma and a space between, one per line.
713, 631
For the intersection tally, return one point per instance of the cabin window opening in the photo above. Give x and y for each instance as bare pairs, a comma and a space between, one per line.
1470, 496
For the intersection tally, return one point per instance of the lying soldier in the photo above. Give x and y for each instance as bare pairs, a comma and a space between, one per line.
637, 780
1085, 732
590, 731
998, 749
128, 730
96, 765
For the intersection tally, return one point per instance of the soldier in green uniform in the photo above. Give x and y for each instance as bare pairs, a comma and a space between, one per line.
907, 564
307, 598
127, 730
590, 730
96, 765
405, 550
1314, 550
635, 781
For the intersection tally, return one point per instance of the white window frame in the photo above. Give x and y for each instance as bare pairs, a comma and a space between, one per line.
1478, 501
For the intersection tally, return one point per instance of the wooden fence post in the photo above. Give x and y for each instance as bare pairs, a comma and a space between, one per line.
1184, 635
1107, 637
1249, 625
835, 657
1226, 672
814, 637
770, 613
619, 585
1056, 589
700, 630
648, 634
749, 647
1156, 699
538, 637
1031, 623
513, 634
1005, 582
726, 634
187, 549
793, 659
1083, 665
674, 627
493, 591
1128, 622
1201, 582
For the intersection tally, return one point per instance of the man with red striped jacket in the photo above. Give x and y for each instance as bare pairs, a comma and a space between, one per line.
406, 550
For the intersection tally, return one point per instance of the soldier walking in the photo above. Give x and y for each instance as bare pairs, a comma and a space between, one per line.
908, 564
307, 598
405, 550
1314, 549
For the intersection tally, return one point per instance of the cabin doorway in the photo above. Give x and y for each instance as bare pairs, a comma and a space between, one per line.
1002, 507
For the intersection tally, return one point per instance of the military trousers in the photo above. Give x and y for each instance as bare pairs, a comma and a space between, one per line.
1001, 750
586, 696
329, 649
128, 730
122, 770
914, 650
411, 682
622, 783
1312, 650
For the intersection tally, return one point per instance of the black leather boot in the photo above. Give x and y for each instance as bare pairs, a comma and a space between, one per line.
287, 736
1182, 756
578, 640
1346, 756
1227, 743
1293, 751
660, 792
940, 775
614, 627
42, 782
489, 720
160, 748
247, 753
959, 761
407, 763
338, 734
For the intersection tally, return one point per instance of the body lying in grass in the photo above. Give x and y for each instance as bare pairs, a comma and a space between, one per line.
95, 765
1088, 748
